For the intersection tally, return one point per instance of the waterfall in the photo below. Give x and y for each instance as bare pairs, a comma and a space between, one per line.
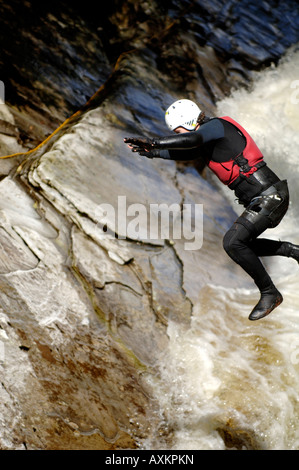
225, 376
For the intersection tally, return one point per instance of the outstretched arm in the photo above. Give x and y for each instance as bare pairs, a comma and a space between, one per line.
173, 154
189, 140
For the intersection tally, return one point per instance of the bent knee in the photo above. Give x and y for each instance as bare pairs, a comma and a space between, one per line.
235, 239
229, 241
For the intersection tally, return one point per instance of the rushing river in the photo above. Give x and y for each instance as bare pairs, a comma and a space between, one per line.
225, 370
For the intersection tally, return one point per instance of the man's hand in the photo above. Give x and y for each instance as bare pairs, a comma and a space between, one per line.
149, 153
139, 144
143, 146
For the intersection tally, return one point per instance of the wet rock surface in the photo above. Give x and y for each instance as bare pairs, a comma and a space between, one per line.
85, 299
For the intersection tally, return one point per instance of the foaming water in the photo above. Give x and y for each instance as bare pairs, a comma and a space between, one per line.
226, 382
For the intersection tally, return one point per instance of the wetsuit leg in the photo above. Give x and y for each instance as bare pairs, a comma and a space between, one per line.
238, 244
265, 247
241, 244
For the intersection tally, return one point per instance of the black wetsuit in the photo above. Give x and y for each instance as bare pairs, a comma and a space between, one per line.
264, 196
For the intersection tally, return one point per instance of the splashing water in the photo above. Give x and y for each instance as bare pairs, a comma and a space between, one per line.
226, 382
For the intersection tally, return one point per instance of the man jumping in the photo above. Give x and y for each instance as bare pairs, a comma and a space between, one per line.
233, 156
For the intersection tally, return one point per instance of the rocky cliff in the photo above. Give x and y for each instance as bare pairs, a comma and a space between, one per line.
86, 292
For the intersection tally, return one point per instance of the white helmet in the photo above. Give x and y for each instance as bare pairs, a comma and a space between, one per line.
182, 113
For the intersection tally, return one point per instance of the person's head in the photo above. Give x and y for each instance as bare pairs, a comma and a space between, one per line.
183, 116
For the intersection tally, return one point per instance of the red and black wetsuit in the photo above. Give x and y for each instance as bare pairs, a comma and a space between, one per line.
229, 152
233, 156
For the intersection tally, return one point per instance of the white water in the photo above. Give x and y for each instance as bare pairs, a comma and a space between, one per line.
225, 371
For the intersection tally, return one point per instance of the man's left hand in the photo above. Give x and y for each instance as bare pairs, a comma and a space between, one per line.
143, 144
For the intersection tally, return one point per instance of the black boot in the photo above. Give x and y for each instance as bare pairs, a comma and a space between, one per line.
270, 299
292, 251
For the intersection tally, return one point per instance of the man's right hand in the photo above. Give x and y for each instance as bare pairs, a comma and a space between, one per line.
142, 146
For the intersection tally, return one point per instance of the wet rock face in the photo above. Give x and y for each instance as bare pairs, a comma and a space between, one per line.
51, 64
86, 293
58, 54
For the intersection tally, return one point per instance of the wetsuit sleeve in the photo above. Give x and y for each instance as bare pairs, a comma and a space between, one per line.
180, 155
208, 132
